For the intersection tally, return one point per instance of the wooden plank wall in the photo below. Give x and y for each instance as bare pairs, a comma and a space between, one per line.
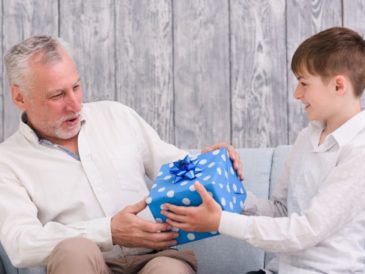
199, 71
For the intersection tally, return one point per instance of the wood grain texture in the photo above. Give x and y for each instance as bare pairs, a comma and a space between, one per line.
354, 18
144, 61
89, 27
22, 19
201, 72
305, 18
258, 76
1, 78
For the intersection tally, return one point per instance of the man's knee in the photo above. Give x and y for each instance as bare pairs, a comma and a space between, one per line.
167, 265
77, 248
75, 253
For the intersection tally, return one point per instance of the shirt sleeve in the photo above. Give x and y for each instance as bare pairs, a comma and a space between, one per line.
155, 152
26, 240
339, 200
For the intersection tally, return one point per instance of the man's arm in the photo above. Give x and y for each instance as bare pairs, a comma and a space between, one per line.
26, 240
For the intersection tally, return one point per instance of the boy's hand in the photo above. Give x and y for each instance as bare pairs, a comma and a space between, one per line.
233, 155
203, 218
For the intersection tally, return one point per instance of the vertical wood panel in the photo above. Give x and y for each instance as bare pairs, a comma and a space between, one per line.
259, 108
22, 19
201, 72
305, 18
144, 61
89, 27
354, 18
1, 78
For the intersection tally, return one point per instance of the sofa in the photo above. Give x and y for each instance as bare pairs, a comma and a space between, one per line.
220, 254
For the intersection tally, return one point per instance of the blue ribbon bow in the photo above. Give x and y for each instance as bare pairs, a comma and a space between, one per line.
185, 169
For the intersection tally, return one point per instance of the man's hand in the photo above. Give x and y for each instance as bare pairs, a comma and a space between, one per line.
203, 218
233, 155
131, 231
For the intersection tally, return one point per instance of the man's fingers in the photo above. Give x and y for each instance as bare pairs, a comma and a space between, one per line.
159, 245
214, 147
150, 227
137, 207
159, 240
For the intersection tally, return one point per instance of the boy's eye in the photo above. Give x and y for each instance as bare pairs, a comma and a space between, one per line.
303, 84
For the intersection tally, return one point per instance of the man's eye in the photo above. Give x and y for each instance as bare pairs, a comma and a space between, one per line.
57, 96
303, 84
76, 87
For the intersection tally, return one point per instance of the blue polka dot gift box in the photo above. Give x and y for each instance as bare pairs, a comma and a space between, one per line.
175, 184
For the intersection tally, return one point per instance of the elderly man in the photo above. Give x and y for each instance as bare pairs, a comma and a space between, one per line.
72, 178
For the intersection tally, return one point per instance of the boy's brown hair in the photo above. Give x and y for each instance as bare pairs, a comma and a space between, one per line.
332, 52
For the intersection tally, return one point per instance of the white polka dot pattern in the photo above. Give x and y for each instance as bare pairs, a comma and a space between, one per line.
186, 201
170, 193
217, 176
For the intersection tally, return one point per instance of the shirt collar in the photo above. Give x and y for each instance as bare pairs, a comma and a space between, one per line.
342, 135
349, 130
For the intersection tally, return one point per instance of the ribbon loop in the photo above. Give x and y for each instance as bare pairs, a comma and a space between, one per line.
185, 169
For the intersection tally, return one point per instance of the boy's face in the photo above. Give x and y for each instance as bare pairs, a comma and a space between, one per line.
318, 97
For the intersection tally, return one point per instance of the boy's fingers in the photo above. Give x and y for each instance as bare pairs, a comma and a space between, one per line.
203, 192
173, 216
178, 225
180, 210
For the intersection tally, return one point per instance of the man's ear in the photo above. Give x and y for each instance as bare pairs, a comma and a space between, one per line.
18, 97
341, 84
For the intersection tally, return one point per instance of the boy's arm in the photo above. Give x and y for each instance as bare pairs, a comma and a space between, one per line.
339, 201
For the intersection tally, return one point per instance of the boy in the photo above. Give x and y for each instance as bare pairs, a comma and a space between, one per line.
315, 220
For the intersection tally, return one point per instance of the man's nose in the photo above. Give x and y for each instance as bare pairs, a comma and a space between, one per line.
73, 103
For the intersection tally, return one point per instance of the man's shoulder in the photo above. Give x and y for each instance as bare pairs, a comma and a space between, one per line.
11, 144
105, 106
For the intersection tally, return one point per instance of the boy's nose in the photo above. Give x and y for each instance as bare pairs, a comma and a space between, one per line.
298, 93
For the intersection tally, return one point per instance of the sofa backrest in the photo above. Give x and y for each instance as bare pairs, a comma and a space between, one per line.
222, 254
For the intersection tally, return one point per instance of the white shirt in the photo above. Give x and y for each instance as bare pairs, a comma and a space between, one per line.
47, 196
318, 205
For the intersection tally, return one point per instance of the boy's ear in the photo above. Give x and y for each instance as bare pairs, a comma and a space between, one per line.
341, 84
18, 97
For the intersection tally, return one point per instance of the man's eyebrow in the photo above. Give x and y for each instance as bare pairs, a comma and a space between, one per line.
62, 89
78, 81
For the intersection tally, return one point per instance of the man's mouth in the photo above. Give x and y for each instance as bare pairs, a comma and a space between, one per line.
72, 121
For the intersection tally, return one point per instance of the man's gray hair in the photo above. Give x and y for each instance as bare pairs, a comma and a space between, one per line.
17, 58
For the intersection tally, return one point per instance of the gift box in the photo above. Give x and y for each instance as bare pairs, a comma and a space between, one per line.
175, 185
